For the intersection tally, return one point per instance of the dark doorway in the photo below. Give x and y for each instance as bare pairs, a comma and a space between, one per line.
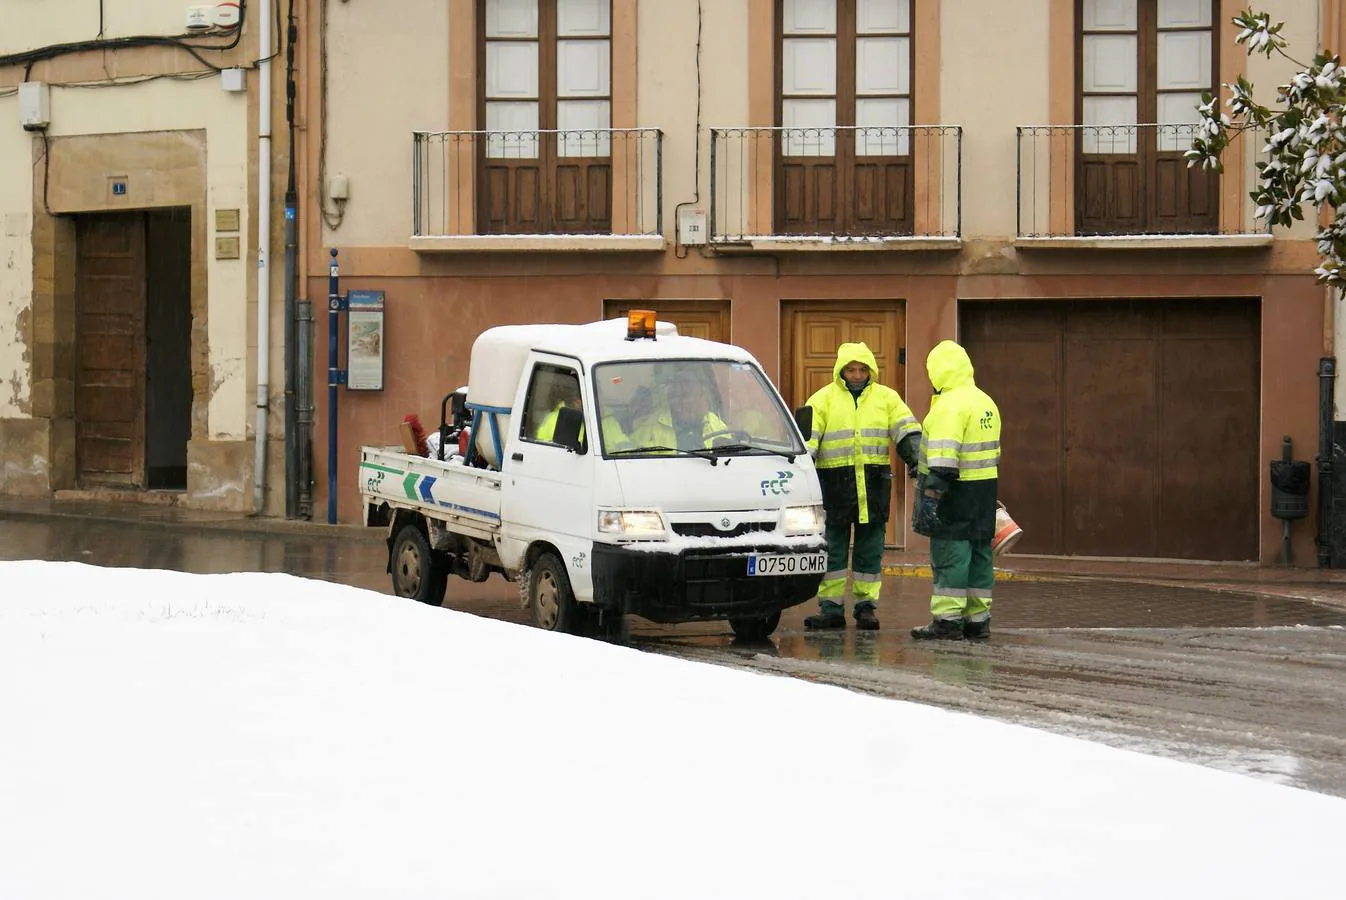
133, 386
168, 339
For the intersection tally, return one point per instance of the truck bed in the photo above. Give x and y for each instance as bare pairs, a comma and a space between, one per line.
464, 498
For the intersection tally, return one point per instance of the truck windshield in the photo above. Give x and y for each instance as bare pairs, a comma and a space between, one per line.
658, 407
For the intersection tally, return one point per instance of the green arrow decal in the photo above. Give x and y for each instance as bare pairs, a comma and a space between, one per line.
409, 485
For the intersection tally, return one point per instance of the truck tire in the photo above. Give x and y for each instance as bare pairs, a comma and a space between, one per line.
754, 630
417, 573
553, 605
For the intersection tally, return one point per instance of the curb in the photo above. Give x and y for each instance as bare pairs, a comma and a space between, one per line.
921, 570
226, 523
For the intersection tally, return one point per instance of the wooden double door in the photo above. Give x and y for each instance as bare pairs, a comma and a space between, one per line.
1147, 190
811, 332
1131, 427
132, 360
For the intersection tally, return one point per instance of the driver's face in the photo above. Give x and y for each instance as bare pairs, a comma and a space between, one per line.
686, 396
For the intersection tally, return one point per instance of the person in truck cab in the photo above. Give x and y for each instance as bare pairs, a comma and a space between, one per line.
686, 423
568, 396
569, 392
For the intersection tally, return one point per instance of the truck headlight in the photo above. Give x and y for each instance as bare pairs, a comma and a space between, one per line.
802, 519
644, 523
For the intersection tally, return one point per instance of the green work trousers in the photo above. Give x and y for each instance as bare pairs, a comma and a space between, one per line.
866, 561
964, 576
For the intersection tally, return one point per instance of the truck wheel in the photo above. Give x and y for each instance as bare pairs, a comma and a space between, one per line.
550, 598
417, 574
755, 630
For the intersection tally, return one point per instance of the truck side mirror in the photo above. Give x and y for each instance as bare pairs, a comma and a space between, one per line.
569, 424
804, 419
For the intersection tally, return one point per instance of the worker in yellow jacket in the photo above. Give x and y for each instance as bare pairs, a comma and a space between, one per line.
854, 420
614, 438
687, 422
956, 485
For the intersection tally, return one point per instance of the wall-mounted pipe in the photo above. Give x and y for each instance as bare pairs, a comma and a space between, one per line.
263, 253
291, 287
1327, 373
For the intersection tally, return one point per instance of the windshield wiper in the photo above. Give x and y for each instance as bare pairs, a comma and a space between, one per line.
744, 448
657, 449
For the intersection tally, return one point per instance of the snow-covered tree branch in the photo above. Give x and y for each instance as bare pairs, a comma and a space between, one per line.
1306, 148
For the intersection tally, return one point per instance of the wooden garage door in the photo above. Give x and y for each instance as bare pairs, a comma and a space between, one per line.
1131, 427
811, 332
707, 319
110, 350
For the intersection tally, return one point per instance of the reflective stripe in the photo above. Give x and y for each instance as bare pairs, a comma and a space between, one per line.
832, 587
838, 436
838, 457
903, 427
945, 606
868, 590
979, 593
868, 576
833, 576
980, 446
980, 617
880, 433
944, 444
842, 453
988, 463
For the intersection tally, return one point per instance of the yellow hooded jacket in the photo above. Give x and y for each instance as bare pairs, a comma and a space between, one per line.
960, 447
850, 439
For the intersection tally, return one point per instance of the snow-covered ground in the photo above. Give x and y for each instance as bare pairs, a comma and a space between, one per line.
165, 735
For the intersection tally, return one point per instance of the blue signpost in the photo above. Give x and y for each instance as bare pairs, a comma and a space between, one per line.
335, 378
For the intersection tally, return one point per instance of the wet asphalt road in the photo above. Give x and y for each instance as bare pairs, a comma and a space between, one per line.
1237, 681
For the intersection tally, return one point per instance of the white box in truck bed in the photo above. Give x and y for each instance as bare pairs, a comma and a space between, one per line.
465, 498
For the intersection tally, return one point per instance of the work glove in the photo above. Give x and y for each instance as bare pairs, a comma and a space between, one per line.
911, 470
925, 514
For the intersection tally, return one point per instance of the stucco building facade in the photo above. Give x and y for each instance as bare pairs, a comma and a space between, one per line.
897, 171
783, 174
129, 285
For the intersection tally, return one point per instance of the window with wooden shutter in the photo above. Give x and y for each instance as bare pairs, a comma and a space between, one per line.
1143, 65
844, 158
546, 160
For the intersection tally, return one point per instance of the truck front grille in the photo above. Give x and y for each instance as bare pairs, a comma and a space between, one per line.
705, 529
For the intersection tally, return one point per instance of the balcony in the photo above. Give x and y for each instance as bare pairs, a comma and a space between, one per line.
593, 189
1129, 186
836, 188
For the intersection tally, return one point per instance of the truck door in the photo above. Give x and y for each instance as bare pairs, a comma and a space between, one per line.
549, 487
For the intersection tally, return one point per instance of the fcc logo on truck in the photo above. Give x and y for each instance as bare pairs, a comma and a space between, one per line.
778, 485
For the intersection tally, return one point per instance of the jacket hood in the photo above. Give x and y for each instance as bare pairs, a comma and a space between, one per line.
849, 353
948, 366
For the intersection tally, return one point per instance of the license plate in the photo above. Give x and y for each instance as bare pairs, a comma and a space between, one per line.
787, 563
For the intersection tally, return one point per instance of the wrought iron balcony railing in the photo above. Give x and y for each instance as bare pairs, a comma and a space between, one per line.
606, 181
853, 183
1131, 180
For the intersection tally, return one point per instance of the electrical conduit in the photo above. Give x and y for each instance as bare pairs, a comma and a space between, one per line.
263, 251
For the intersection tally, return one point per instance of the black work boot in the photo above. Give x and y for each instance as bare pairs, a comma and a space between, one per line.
977, 629
829, 615
865, 619
940, 630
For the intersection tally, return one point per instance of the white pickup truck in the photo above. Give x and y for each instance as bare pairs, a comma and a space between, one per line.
611, 468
